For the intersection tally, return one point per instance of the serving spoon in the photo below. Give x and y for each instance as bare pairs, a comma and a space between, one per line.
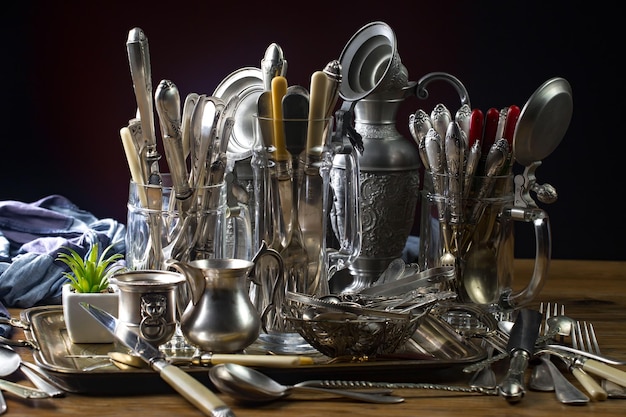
249, 385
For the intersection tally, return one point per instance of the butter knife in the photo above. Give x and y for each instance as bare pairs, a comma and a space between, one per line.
186, 385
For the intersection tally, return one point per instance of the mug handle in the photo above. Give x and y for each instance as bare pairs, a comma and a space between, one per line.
277, 298
543, 253
348, 230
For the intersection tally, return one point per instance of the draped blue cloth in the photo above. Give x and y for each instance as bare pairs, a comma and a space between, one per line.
31, 237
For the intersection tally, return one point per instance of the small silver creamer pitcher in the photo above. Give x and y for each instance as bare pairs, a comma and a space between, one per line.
219, 316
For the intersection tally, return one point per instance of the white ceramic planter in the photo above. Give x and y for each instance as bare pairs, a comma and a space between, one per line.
81, 326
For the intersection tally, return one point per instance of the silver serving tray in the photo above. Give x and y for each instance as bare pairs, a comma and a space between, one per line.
65, 361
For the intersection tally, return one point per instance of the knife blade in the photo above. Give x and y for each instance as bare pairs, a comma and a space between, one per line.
521, 346
186, 385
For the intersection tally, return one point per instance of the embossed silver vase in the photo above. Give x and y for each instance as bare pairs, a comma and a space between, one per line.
375, 84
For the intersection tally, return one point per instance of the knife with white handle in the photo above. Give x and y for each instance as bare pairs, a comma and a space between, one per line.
186, 385
317, 112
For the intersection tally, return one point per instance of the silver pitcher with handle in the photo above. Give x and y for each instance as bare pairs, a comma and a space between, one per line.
375, 84
219, 316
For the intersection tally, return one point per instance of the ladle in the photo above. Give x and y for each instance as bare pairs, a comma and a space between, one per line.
249, 385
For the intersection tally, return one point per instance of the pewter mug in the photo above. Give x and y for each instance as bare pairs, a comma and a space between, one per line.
147, 302
220, 317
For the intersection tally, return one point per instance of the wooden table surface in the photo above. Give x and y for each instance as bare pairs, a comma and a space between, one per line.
590, 290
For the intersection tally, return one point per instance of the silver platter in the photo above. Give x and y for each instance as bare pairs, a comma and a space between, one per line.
247, 83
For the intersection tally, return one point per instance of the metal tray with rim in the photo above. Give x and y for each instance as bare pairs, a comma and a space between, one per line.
65, 361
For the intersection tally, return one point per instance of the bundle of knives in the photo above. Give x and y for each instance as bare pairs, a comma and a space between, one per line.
456, 150
293, 124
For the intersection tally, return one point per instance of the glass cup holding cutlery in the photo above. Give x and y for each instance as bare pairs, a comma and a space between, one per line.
160, 226
293, 199
477, 233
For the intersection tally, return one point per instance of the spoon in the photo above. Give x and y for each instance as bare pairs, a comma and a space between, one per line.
10, 361
485, 377
249, 385
434, 150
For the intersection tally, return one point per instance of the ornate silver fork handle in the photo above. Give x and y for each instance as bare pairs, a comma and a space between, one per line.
400, 385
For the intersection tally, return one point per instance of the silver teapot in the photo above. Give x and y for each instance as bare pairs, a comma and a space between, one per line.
219, 316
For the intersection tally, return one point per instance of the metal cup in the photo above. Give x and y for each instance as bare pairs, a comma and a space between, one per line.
148, 303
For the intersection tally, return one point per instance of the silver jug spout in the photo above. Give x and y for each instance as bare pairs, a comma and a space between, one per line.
193, 276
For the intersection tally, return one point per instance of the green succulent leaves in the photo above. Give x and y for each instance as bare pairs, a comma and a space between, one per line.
91, 274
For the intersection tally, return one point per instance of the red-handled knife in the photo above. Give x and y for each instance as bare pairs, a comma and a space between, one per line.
512, 115
491, 127
475, 127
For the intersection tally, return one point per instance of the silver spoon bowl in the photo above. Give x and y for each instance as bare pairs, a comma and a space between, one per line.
249, 385
10, 361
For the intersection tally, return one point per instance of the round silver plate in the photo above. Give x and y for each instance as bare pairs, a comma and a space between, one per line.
543, 121
247, 83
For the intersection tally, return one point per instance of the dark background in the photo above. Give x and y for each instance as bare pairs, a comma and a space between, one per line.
68, 91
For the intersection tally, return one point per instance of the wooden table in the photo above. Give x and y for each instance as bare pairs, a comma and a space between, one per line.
590, 290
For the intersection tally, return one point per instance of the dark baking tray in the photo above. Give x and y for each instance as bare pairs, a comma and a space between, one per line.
47, 330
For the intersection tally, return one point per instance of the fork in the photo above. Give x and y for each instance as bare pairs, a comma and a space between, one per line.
612, 389
590, 344
594, 389
541, 377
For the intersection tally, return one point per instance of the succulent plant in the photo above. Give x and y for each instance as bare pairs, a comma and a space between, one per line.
90, 274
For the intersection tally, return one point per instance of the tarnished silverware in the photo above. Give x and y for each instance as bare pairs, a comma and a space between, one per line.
21, 390
141, 73
167, 99
455, 157
399, 385
353, 308
474, 150
520, 348
273, 65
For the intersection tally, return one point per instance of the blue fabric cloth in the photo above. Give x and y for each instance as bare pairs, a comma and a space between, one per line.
5, 329
411, 249
31, 237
